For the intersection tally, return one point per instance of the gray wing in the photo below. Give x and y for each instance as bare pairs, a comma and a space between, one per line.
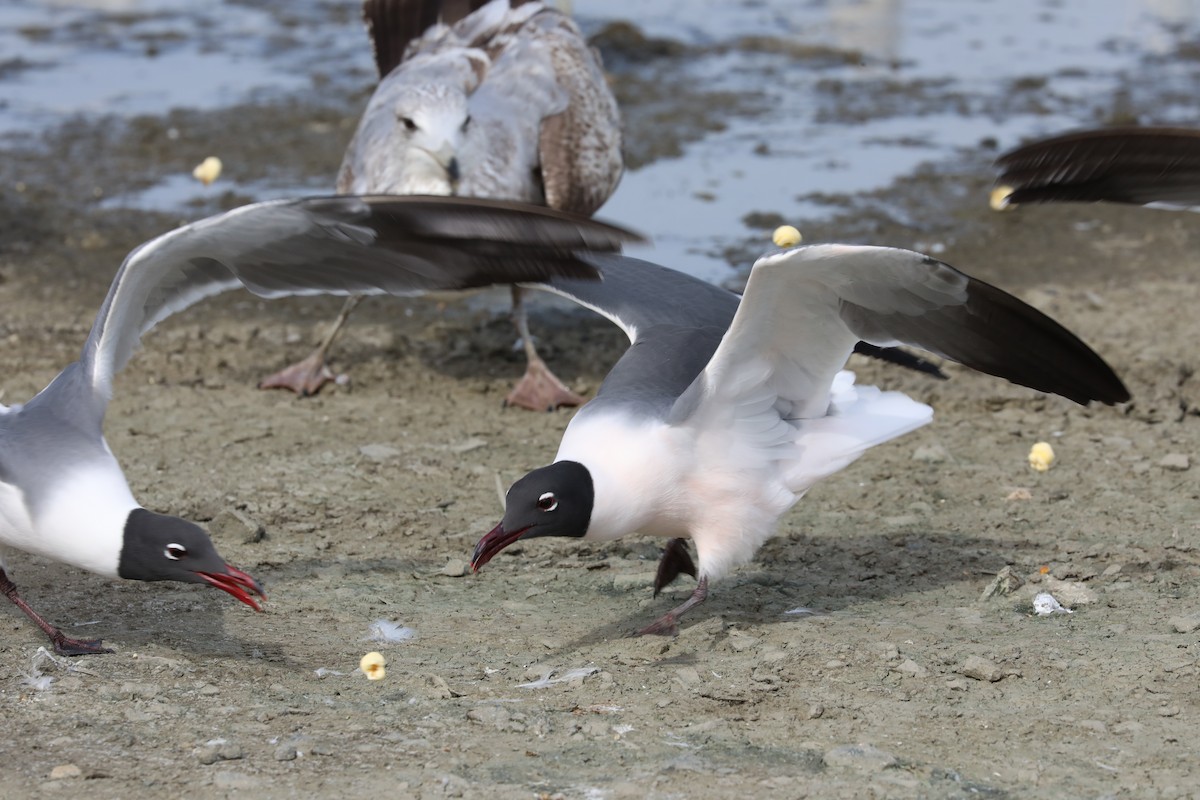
334, 245
804, 309
674, 323
1120, 165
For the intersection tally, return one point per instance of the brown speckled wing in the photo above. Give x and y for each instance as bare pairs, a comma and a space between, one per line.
580, 148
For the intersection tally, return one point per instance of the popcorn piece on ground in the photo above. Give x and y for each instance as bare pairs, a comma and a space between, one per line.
372, 665
786, 236
207, 170
998, 199
1041, 456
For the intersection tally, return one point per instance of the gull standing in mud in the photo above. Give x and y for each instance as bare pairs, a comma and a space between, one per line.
723, 412
1142, 166
507, 101
63, 494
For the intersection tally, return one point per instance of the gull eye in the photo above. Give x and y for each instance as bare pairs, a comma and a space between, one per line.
408, 123
175, 551
547, 502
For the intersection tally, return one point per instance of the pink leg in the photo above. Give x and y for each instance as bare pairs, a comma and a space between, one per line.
63, 644
668, 623
539, 389
307, 376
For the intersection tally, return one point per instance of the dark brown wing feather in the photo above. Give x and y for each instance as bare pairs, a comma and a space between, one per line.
393, 24
1119, 165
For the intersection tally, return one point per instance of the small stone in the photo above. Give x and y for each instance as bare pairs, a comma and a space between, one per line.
910, 667
739, 642
286, 752
816, 711
232, 524
981, 669
455, 568
626, 581
888, 651
1111, 570
1177, 462
467, 445
930, 454
435, 687
379, 452
687, 676
1072, 593
490, 716
861, 757
63, 771
1185, 623
1007, 581
235, 780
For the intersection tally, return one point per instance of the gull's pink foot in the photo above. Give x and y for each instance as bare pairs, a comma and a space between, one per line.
540, 390
66, 646
305, 377
668, 623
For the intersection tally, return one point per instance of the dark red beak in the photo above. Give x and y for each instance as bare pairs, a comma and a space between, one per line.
496, 540
237, 583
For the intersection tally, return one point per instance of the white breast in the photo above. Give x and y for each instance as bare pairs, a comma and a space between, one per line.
82, 522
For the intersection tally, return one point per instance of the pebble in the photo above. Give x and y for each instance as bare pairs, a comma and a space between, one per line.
286, 752
223, 751
627, 581
687, 676
1175, 461
379, 452
1185, 623
235, 780
231, 524
930, 454
861, 757
455, 568
1071, 593
434, 687
739, 642
63, 771
1007, 581
981, 669
910, 667
468, 445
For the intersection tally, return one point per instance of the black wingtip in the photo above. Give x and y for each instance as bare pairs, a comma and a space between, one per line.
1010, 339
901, 358
1118, 165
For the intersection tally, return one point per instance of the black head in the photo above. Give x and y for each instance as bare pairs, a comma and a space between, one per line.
162, 548
551, 501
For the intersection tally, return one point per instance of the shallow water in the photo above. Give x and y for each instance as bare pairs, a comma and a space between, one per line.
847, 97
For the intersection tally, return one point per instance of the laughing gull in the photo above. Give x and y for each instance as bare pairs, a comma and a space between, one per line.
502, 100
62, 493
1119, 165
721, 414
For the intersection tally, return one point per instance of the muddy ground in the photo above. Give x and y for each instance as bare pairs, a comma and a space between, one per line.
363, 503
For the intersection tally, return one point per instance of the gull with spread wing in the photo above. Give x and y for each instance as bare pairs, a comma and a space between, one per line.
63, 494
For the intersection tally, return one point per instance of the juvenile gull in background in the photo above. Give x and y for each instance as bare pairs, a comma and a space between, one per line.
1119, 165
722, 413
62, 493
507, 101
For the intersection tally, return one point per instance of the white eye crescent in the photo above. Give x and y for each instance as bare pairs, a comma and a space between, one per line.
547, 502
175, 551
